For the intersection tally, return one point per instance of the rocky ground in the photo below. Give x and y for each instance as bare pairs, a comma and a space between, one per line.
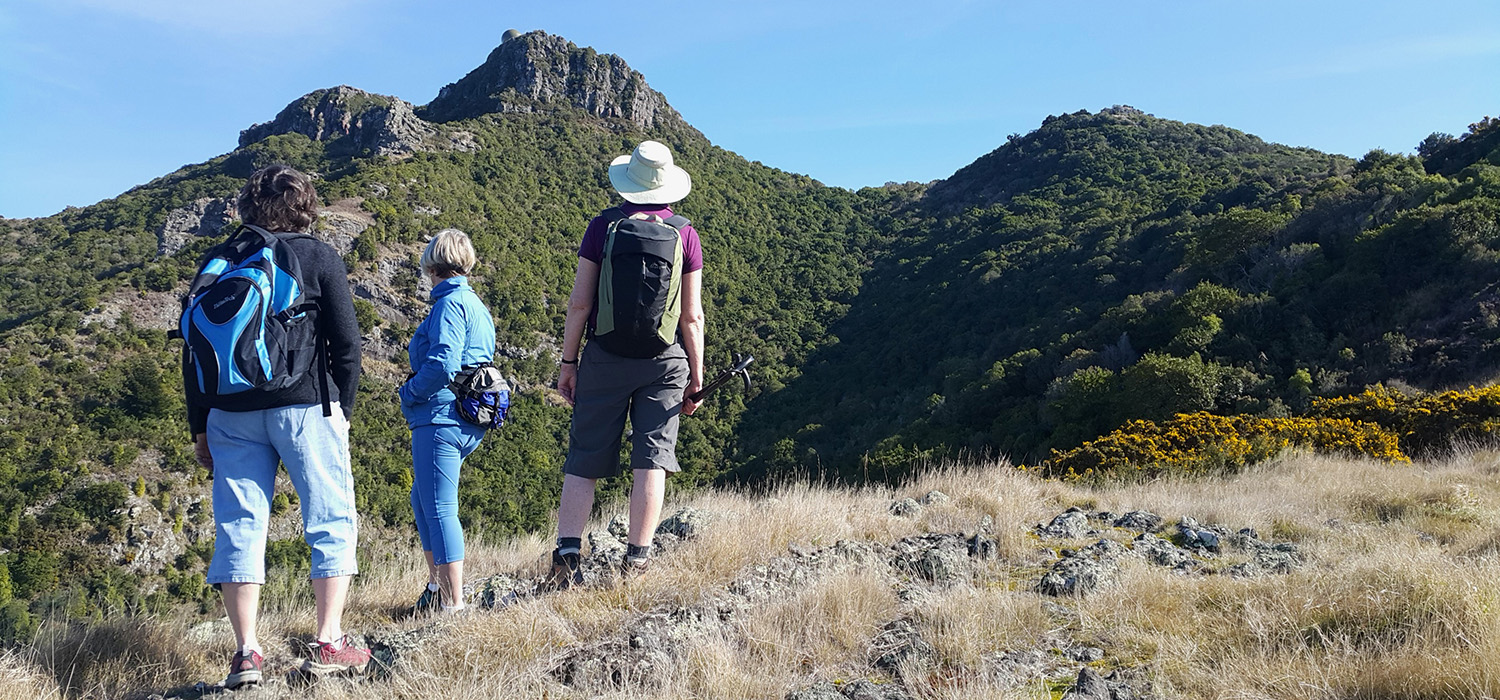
651, 645
1308, 578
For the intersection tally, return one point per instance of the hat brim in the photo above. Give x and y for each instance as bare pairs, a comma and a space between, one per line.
676, 183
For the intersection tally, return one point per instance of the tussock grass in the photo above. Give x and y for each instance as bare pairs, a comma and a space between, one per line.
22, 680
1399, 597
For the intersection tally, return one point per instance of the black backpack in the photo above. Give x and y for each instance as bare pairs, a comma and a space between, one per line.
640, 284
245, 320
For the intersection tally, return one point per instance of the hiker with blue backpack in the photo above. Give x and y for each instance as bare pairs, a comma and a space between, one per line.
637, 297
271, 367
451, 397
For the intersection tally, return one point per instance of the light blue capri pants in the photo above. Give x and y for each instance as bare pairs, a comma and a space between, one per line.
437, 456
246, 448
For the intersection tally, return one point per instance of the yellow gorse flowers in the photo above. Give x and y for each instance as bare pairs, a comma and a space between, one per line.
1380, 423
1205, 443
1422, 422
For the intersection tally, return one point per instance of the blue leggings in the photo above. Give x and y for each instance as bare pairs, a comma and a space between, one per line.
437, 454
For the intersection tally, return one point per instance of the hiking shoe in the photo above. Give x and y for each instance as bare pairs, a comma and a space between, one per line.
429, 602
566, 572
244, 669
335, 657
633, 567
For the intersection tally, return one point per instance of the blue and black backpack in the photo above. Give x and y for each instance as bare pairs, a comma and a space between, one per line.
246, 324
482, 395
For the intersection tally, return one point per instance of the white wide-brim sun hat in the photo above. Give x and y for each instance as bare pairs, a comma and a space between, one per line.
647, 176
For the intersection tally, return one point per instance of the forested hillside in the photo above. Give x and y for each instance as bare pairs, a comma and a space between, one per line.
1114, 266
1106, 266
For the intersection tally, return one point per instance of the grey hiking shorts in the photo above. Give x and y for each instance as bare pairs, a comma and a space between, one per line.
611, 387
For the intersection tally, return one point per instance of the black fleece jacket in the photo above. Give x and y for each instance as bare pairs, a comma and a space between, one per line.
327, 283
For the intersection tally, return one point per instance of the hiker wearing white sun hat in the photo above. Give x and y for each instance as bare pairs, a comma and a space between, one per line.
648, 176
637, 296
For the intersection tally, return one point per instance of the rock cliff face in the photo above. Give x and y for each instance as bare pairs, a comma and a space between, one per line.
206, 216
360, 121
534, 71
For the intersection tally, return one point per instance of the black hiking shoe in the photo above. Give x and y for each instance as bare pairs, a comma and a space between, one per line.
566, 572
429, 602
244, 670
632, 567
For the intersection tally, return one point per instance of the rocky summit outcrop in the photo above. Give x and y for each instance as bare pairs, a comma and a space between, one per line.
361, 122
537, 71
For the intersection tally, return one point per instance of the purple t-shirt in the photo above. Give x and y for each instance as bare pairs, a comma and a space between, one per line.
592, 247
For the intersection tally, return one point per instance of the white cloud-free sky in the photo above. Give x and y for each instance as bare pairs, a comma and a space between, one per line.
97, 96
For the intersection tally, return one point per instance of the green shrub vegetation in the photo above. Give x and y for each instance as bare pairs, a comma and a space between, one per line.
1105, 268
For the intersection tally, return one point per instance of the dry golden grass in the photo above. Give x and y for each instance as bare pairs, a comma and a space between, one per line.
21, 680
1399, 597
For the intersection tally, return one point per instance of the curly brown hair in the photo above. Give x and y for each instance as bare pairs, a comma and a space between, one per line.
279, 198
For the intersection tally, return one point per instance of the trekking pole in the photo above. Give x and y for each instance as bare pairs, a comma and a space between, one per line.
740, 369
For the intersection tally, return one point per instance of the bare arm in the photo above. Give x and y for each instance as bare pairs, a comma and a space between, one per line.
580, 303
691, 327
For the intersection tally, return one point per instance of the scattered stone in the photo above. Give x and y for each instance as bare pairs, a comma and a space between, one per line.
865, 689
663, 542
986, 524
1159, 551
1060, 611
1195, 536
983, 547
1019, 667
1103, 516
899, 646
1140, 521
605, 555
1089, 686
1122, 684
1084, 653
937, 558
619, 526
645, 655
1072, 524
391, 645
822, 690
933, 498
209, 632
1267, 561
686, 523
1084, 571
906, 508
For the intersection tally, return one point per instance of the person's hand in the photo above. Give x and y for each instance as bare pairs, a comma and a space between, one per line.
567, 382
200, 451
688, 405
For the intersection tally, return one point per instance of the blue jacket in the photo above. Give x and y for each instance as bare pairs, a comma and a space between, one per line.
457, 332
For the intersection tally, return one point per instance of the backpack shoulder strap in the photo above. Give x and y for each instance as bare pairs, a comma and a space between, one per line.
677, 221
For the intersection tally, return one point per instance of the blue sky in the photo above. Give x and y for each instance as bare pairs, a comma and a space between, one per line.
97, 96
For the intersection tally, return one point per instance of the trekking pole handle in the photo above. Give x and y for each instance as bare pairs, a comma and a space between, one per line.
740, 369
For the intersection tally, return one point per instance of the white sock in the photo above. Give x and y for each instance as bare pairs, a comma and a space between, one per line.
433, 587
453, 608
336, 642
252, 647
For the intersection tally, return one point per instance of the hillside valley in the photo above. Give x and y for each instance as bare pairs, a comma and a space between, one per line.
1107, 267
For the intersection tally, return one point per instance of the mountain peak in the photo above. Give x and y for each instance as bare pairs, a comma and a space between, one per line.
535, 71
